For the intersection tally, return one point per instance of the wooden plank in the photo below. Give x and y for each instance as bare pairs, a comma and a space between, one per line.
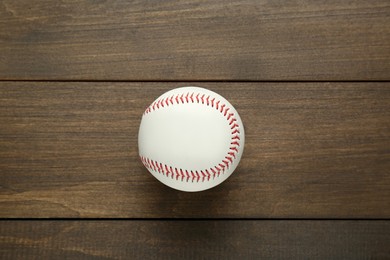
194, 239
192, 40
313, 150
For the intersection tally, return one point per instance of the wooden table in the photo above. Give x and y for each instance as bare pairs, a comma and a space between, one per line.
310, 80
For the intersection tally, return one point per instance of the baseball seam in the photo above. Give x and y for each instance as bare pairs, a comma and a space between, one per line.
196, 175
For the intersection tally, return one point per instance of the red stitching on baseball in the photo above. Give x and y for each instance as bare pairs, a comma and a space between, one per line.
234, 149
222, 107
232, 154
226, 110
195, 175
226, 162
222, 166
236, 131
230, 115
234, 126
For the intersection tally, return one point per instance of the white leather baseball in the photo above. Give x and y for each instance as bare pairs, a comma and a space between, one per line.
191, 139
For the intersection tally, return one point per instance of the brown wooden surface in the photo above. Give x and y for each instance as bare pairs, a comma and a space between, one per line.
75, 77
313, 150
194, 239
195, 40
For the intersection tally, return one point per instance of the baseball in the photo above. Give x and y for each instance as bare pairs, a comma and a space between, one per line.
191, 139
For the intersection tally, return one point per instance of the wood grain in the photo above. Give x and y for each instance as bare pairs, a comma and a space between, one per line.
194, 239
195, 40
313, 150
